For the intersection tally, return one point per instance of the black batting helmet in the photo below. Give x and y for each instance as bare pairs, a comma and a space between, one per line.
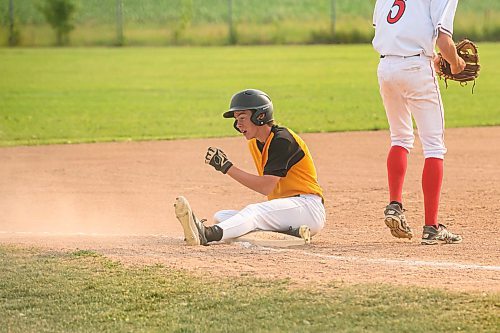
255, 100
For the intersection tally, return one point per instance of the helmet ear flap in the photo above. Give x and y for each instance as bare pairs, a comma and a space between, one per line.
262, 115
257, 117
236, 127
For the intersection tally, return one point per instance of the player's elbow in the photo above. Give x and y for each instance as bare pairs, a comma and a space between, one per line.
265, 189
268, 185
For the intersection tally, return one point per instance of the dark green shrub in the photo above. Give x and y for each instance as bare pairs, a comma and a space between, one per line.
492, 34
14, 34
184, 21
59, 14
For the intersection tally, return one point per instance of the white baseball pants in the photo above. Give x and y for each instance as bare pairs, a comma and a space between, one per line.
408, 86
273, 215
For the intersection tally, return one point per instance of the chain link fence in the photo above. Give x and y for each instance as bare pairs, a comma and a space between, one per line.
219, 22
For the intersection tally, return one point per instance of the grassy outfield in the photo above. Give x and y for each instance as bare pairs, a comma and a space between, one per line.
99, 94
83, 292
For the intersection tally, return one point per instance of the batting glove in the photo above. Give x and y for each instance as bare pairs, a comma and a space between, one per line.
216, 158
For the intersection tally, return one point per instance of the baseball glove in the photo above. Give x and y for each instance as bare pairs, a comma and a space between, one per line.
466, 50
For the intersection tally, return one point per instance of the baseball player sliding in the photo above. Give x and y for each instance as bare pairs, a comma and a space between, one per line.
286, 175
406, 33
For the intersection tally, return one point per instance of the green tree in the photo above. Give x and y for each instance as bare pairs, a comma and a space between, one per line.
59, 14
184, 20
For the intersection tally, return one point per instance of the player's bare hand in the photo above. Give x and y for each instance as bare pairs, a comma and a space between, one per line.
458, 67
435, 61
216, 158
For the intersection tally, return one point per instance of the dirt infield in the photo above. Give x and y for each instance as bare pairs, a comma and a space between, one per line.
117, 199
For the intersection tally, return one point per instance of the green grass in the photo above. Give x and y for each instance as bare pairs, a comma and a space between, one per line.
103, 94
82, 291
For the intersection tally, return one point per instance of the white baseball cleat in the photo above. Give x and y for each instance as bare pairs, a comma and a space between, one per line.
186, 217
305, 233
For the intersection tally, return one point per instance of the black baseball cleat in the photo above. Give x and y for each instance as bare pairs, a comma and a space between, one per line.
396, 221
433, 235
194, 230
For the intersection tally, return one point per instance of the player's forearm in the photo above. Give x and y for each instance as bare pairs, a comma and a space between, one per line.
447, 48
262, 184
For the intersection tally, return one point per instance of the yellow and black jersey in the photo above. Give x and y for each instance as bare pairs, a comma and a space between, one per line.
285, 154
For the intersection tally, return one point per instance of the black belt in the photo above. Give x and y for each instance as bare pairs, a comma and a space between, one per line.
415, 55
322, 199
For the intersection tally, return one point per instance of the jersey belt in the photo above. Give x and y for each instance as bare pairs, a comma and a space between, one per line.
415, 55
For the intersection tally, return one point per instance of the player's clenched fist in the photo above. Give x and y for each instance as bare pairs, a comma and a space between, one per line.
216, 158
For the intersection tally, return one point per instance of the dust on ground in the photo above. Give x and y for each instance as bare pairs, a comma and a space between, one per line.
117, 199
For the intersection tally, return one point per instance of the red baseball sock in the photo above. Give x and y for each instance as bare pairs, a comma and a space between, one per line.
432, 179
397, 161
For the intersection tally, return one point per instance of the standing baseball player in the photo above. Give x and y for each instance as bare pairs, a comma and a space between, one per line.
285, 174
406, 34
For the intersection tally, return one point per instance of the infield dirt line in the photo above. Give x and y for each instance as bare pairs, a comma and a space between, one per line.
380, 261
416, 263
75, 234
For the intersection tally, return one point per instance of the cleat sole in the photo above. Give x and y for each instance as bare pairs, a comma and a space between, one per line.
305, 233
396, 230
185, 217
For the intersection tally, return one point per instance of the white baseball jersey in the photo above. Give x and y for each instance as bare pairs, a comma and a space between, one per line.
410, 27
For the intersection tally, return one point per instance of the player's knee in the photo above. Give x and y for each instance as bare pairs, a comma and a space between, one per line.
217, 218
405, 143
403, 139
434, 151
434, 147
223, 215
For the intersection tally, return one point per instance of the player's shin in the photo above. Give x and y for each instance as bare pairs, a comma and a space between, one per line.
397, 161
432, 179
